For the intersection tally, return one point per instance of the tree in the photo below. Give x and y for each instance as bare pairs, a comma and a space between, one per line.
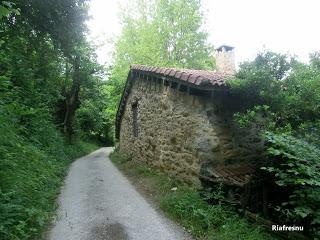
47, 70
63, 20
62, 24
164, 33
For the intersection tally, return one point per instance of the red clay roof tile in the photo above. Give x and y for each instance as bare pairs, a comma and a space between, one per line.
196, 77
192, 78
184, 76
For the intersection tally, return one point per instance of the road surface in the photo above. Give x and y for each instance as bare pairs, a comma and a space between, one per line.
98, 203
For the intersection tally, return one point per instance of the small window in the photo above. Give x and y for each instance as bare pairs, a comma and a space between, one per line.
135, 119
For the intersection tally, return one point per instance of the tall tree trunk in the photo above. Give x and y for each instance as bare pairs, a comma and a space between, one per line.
72, 100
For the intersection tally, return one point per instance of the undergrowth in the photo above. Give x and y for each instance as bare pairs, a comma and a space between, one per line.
33, 163
187, 206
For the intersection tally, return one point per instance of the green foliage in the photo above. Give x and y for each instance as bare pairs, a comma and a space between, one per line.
34, 80
218, 221
298, 160
33, 163
296, 165
284, 104
63, 20
164, 33
34, 158
194, 212
237, 228
93, 119
269, 64
7, 8
289, 88
259, 115
261, 81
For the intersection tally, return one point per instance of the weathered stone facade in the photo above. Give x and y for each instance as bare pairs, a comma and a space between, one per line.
184, 134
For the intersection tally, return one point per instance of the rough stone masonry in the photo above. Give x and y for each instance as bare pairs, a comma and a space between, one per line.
180, 121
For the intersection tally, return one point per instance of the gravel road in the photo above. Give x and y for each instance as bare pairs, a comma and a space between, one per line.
98, 202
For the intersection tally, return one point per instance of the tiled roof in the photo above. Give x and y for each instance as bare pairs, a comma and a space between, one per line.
191, 76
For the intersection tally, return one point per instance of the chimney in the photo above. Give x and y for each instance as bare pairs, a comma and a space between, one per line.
225, 61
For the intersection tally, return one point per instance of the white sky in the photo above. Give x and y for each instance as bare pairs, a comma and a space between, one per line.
287, 26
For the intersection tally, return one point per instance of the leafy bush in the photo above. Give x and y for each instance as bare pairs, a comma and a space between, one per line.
284, 96
33, 160
39, 70
30, 181
296, 166
194, 212
218, 221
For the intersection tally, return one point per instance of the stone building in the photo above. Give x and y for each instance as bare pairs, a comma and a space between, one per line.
180, 121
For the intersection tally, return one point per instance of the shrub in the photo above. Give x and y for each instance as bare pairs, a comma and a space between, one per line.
216, 221
285, 93
33, 160
296, 165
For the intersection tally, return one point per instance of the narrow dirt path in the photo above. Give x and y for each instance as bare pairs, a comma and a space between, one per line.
98, 202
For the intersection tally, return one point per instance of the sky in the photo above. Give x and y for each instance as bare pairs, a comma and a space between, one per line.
286, 26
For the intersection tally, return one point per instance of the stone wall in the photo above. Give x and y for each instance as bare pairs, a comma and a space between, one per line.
182, 134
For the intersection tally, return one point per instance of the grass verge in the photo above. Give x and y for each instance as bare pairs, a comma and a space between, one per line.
31, 176
186, 205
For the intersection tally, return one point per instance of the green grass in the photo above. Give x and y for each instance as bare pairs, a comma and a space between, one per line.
187, 207
32, 169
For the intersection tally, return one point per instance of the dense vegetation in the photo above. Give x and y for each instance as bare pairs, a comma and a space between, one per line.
283, 96
47, 72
